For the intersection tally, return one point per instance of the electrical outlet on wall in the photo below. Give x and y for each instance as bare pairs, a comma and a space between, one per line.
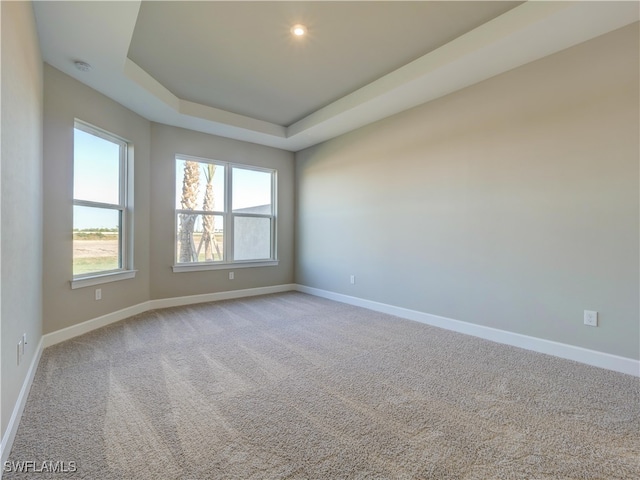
98, 294
591, 318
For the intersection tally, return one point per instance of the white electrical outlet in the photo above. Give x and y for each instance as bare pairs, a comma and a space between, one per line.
20, 350
591, 318
231, 276
98, 294
353, 279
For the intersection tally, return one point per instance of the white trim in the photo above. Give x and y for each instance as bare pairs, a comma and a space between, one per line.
125, 198
95, 323
75, 330
562, 350
579, 354
12, 427
104, 278
215, 297
229, 215
198, 267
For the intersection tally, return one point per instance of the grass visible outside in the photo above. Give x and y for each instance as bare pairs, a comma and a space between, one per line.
94, 252
94, 236
98, 251
94, 264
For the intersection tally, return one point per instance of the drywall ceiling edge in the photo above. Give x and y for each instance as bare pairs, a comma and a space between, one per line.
524, 34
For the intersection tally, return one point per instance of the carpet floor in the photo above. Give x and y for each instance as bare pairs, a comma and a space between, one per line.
292, 386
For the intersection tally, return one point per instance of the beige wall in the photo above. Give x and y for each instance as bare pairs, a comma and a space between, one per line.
66, 99
155, 147
166, 143
511, 204
21, 197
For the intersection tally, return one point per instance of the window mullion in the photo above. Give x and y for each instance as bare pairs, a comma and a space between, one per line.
124, 179
199, 212
228, 217
89, 203
253, 215
274, 210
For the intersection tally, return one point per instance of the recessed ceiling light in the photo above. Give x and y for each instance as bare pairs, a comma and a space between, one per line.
299, 30
83, 66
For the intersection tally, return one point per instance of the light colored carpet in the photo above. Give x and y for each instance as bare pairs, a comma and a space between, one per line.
291, 386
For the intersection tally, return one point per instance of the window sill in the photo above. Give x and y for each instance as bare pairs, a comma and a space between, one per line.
198, 267
104, 278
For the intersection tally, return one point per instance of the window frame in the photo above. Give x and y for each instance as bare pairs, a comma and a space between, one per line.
228, 220
125, 254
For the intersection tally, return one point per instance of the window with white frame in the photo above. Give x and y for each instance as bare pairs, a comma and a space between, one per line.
225, 214
100, 233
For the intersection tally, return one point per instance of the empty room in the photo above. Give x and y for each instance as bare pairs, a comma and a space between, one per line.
320, 240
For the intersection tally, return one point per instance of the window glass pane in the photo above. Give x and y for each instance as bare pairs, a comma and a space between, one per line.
200, 238
202, 186
199, 186
251, 191
96, 168
96, 239
251, 238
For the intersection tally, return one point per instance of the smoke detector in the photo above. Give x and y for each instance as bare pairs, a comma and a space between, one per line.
82, 66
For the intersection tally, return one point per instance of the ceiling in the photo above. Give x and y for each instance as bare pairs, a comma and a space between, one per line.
234, 69
241, 56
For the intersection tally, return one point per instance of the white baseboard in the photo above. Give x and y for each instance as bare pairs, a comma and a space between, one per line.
579, 354
562, 350
95, 323
215, 297
14, 421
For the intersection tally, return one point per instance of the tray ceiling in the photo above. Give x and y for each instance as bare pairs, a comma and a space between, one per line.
233, 69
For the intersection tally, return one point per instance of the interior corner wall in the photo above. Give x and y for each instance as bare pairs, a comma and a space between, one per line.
21, 198
167, 141
155, 146
512, 204
66, 99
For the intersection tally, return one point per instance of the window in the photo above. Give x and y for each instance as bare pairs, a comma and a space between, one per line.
99, 206
225, 214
